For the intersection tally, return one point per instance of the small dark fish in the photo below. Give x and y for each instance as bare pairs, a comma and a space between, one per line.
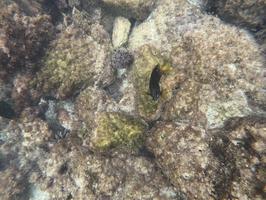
59, 131
155, 83
6, 110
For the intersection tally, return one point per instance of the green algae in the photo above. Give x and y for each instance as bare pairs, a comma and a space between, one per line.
72, 62
117, 129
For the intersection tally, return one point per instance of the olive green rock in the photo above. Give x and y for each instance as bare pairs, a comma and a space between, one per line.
146, 60
117, 130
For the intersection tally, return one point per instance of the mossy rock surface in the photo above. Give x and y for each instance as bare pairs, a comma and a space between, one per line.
117, 130
73, 62
147, 59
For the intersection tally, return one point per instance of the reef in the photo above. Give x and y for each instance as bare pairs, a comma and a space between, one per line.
130, 99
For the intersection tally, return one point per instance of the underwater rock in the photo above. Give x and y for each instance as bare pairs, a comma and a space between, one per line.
184, 156
178, 114
105, 125
245, 13
248, 14
72, 63
121, 30
64, 168
22, 145
120, 177
21, 93
147, 58
239, 149
131, 8
116, 130
13, 183
160, 29
219, 77
217, 61
92, 100
226, 162
23, 39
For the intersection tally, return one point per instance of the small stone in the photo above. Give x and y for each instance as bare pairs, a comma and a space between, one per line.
120, 31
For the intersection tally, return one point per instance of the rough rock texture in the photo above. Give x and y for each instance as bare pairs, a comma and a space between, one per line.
226, 163
114, 129
21, 145
104, 126
176, 113
184, 156
138, 9
249, 14
38, 164
218, 64
146, 60
22, 40
75, 60
121, 30
122, 177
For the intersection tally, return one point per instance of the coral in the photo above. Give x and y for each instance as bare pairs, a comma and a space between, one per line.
116, 129
131, 8
23, 38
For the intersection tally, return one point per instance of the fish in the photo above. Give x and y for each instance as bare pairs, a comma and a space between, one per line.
154, 85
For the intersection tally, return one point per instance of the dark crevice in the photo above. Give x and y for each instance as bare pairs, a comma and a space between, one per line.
6, 110
227, 172
145, 152
63, 169
154, 84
